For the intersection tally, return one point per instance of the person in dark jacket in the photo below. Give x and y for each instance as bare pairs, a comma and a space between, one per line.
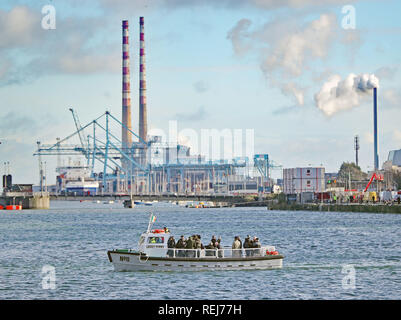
210, 249
219, 248
256, 246
240, 246
213, 240
181, 244
247, 245
190, 246
171, 244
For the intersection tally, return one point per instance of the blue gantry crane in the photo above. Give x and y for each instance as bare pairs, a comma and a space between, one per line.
109, 151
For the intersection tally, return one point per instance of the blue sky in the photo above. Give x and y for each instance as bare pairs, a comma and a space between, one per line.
201, 76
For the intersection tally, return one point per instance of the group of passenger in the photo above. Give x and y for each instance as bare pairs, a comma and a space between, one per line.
192, 246
213, 246
251, 246
192, 242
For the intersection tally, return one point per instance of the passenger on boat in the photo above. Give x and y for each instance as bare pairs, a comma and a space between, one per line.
181, 244
171, 244
198, 245
166, 230
190, 247
236, 246
256, 246
210, 249
213, 240
247, 245
218, 247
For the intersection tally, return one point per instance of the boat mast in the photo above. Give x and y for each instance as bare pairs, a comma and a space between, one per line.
151, 220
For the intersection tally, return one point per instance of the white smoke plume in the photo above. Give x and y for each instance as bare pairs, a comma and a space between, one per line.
286, 49
339, 95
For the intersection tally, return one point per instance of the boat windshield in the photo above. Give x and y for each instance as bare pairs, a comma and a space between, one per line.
156, 240
141, 240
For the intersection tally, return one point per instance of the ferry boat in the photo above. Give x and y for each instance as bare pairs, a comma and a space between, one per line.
153, 254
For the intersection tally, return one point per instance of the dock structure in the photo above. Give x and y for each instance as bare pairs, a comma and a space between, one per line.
26, 200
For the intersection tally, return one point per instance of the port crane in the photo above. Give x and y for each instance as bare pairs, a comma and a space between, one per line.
79, 131
107, 151
264, 165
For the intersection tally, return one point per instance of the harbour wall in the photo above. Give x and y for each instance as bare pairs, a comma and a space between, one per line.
26, 201
367, 208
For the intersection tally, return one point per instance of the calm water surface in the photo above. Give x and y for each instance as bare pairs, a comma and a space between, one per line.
74, 238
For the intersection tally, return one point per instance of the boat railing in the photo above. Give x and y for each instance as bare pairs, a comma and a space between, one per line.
218, 253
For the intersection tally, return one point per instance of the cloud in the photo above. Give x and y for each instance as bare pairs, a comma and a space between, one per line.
239, 35
397, 135
286, 110
286, 48
387, 72
226, 4
291, 89
339, 95
14, 123
201, 86
198, 115
19, 27
392, 98
368, 137
27, 128
28, 52
290, 53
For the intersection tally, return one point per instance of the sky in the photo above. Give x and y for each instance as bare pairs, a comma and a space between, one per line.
299, 73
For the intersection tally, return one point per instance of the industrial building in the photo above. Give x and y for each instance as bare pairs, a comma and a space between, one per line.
299, 180
144, 164
393, 162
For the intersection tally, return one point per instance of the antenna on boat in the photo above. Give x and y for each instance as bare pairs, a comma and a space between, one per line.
152, 219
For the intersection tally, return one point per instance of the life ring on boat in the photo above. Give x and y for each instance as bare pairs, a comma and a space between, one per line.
158, 231
143, 261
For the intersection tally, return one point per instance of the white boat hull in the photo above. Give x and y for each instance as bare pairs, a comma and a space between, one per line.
132, 261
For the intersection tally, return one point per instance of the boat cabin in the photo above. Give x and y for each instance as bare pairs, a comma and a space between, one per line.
154, 243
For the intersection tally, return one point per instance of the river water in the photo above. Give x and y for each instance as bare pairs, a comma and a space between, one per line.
329, 255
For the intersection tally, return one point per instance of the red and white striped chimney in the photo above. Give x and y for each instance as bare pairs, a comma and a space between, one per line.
143, 123
126, 136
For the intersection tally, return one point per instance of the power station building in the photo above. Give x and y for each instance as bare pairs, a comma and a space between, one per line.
144, 164
393, 161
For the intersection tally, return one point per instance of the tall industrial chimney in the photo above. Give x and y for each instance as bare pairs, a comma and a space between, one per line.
376, 155
126, 136
143, 123
356, 147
